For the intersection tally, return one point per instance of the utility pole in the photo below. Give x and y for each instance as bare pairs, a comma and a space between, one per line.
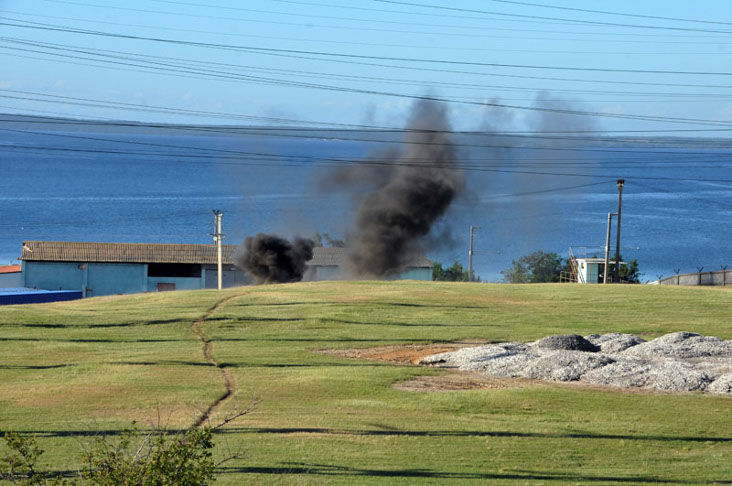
470, 255
607, 247
621, 183
218, 236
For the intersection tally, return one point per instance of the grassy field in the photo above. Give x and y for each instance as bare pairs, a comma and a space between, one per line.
70, 369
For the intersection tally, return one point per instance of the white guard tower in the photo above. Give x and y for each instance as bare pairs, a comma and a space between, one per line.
586, 270
589, 270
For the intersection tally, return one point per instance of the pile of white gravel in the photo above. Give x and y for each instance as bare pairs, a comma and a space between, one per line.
680, 361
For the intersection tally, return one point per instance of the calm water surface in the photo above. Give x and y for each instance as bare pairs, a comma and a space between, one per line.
155, 196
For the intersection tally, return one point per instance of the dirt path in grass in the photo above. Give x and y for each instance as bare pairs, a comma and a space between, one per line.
208, 354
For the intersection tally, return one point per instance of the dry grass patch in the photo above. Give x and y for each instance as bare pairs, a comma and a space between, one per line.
400, 354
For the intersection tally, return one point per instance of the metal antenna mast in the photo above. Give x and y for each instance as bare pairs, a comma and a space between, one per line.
607, 247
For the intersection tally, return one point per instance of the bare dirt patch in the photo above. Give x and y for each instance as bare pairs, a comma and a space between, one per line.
457, 381
414, 353
401, 353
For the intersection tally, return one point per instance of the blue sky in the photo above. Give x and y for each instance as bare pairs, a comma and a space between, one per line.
511, 34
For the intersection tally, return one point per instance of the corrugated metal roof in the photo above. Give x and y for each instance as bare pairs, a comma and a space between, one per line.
327, 256
70, 251
67, 251
10, 269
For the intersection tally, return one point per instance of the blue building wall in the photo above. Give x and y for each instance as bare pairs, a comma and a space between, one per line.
115, 278
128, 278
101, 278
181, 283
53, 275
415, 274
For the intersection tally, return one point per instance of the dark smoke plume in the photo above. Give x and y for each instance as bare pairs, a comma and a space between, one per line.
271, 259
420, 183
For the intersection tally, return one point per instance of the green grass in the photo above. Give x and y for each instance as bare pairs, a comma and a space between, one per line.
98, 364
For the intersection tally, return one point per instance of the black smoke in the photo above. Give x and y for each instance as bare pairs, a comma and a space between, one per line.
272, 259
410, 191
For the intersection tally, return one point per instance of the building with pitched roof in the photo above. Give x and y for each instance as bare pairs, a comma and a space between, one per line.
328, 263
128, 268
10, 276
125, 268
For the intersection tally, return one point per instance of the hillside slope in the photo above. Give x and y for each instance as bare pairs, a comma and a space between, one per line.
71, 369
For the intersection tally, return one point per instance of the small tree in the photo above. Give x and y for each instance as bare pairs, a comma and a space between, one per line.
455, 273
158, 456
628, 273
18, 465
538, 267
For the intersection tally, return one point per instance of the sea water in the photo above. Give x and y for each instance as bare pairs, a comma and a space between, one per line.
140, 188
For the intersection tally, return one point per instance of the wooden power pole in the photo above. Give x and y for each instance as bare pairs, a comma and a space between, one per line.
470, 255
218, 236
621, 183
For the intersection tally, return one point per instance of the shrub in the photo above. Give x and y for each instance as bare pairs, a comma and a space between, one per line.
158, 456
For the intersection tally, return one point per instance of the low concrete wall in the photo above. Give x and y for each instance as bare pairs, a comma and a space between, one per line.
720, 277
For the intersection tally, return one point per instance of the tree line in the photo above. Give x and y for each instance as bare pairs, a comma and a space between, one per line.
537, 267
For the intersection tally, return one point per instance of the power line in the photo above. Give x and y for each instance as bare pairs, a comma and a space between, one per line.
606, 12
94, 51
294, 24
292, 133
342, 42
541, 17
258, 79
209, 6
264, 131
325, 128
462, 26
43, 26
88, 221
302, 161
335, 161
623, 40
546, 191
407, 142
472, 17
706, 201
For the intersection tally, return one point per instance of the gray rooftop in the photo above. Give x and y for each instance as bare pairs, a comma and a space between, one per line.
74, 251
70, 251
330, 256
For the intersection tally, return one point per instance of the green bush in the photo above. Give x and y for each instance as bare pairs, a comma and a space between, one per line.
158, 456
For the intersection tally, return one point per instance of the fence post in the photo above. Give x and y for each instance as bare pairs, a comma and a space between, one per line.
700, 271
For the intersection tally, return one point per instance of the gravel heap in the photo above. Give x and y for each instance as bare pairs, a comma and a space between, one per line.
680, 361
